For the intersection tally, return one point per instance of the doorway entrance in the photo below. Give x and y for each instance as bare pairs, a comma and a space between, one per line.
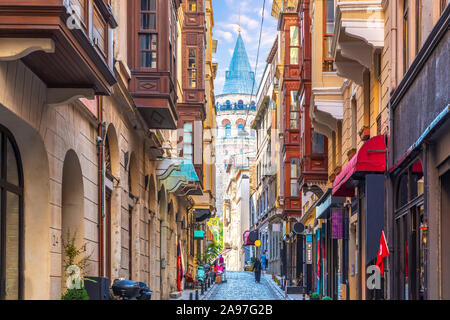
11, 218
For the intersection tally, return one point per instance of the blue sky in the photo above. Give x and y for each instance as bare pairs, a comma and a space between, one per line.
226, 17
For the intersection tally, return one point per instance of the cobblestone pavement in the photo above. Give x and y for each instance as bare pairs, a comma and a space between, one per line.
242, 286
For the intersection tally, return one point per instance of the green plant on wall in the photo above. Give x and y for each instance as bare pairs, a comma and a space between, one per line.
210, 254
74, 263
216, 226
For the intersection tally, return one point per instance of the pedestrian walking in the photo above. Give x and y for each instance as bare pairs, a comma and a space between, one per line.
264, 261
257, 270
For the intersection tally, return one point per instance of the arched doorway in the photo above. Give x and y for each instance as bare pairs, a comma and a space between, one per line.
152, 203
133, 192
162, 197
72, 206
11, 218
111, 205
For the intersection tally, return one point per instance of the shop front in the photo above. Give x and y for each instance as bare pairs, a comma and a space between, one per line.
330, 210
362, 181
419, 173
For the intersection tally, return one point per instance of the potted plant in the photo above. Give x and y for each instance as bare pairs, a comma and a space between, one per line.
74, 267
332, 177
351, 153
337, 170
315, 296
364, 133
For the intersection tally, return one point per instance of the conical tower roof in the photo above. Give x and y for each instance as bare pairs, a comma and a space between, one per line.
239, 77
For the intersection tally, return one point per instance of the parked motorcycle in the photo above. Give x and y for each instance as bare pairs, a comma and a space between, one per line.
200, 276
131, 290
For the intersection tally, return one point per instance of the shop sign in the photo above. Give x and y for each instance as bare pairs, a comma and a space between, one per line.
199, 234
309, 258
337, 216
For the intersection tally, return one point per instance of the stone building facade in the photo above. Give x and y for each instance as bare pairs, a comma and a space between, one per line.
87, 145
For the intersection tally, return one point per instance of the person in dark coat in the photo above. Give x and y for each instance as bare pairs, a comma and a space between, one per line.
257, 269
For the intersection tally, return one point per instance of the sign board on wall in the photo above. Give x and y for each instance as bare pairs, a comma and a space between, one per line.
199, 234
309, 258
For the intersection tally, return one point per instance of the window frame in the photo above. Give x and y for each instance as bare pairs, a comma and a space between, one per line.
18, 190
147, 32
328, 62
294, 109
188, 143
190, 3
295, 46
193, 69
293, 180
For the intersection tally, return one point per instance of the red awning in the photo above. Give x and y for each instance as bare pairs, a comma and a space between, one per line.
370, 158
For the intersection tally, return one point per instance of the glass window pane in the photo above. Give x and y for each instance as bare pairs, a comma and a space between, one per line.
148, 5
294, 55
329, 44
330, 13
153, 42
148, 21
153, 64
192, 5
294, 189
12, 246
317, 142
188, 126
145, 42
187, 138
294, 124
294, 115
145, 60
294, 169
187, 149
12, 174
402, 191
294, 36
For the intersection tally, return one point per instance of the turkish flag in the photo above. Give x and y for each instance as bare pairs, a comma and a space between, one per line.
383, 252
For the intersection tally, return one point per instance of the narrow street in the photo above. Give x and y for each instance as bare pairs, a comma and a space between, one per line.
242, 286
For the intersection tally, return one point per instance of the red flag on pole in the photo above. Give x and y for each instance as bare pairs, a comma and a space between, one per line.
383, 252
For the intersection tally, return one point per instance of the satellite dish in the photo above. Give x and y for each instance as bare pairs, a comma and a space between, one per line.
298, 227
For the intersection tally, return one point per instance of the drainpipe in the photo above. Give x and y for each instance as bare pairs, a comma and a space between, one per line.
101, 183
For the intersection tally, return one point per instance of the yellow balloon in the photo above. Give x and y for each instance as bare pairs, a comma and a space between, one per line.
257, 243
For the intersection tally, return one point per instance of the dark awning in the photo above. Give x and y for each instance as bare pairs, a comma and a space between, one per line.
250, 237
325, 203
370, 158
201, 214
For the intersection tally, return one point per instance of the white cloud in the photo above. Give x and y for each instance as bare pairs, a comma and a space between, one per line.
227, 36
